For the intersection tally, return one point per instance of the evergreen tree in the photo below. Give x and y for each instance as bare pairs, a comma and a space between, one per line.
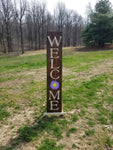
100, 28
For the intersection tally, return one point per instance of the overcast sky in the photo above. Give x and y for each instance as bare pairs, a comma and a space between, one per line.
77, 5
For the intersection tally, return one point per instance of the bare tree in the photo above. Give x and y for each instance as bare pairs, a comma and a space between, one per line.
20, 15
29, 25
59, 14
2, 31
26, 27
34, 8
7, 14
49, 22
43, 13
89, 11
38, 15
68, 27
77, 25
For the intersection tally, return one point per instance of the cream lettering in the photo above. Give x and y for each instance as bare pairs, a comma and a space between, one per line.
54, 105
54, 41
53, 64
54, 96
54, 51
51, 75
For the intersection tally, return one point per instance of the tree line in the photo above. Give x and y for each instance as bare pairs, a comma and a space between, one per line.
24, 25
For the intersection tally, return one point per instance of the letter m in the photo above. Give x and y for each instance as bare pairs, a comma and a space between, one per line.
54, 41
52, 96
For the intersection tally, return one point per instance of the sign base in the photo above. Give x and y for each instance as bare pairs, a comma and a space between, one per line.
57, 113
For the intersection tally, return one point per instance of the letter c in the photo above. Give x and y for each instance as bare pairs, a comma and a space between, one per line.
51, 74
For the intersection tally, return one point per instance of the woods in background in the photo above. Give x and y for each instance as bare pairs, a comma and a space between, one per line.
23, 25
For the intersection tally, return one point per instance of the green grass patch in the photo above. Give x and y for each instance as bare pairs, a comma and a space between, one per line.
71, 130
74, 146
103, 120
83, 61
50, 125
82, 113
27, 133
49, 144
57, 131
74, 118
108, 141
91, 123
19, 63
109, 100
9, 148
111, 117
89, 132
3, 112
3, 79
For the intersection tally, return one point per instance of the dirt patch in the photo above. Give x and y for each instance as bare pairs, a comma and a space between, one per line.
26, 146
104, 67
36, 52
40, 74
15, 86
42, 51
80, 140
14, 83
8, 131
34, 74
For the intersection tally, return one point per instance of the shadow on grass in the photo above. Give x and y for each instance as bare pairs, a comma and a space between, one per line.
28, 133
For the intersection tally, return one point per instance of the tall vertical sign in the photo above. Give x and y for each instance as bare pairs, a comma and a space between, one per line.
54, 72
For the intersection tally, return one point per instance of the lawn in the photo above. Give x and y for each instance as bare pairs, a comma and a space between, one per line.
87, 98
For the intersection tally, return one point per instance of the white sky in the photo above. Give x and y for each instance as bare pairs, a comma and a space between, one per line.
77, 5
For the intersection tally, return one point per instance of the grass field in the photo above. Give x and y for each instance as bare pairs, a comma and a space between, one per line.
87, 98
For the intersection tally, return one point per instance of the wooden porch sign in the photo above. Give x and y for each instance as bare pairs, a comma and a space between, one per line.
54, 72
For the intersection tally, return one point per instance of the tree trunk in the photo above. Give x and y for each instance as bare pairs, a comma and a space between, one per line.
35, 35
21, 36
8, 37
4, 45
101, 43
3, 42
39, 40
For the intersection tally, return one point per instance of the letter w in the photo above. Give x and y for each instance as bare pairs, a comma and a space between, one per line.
54, 40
